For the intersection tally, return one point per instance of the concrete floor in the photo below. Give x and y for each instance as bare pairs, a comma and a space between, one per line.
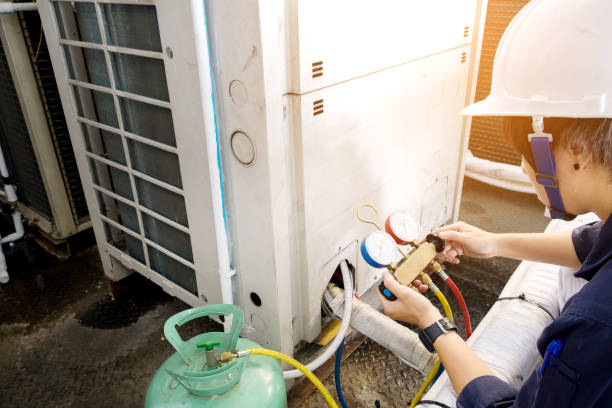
64, 342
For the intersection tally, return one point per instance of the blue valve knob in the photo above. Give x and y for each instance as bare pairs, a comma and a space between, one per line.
386, 292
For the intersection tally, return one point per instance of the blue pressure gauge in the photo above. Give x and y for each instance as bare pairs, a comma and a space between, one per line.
379, 249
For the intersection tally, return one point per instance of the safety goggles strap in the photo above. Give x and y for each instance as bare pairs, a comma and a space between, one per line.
546, 172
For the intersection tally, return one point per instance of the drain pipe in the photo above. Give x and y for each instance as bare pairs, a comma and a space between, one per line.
11, 196
212, 149
400, 340
18, 224
4, 276
7, 7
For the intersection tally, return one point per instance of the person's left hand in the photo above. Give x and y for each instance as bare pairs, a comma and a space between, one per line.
410, 306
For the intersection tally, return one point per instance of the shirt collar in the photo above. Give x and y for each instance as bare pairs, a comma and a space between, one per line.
600, 254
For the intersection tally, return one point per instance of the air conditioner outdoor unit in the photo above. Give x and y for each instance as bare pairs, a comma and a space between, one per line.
320, 106
33, 132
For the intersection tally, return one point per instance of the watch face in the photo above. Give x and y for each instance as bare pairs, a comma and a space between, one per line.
446, 324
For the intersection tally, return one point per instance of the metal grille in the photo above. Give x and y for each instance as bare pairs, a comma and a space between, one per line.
43, 71
116, 71
486, 136
17, 145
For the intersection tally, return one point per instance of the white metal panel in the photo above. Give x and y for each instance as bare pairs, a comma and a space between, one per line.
183, 84
391, 137
350, 38
112, 269
388, 138
180, 69
259, 196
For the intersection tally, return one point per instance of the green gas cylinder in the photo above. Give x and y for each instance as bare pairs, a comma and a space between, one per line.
195, 377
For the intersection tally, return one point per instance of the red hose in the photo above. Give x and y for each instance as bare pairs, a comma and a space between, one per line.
464, 309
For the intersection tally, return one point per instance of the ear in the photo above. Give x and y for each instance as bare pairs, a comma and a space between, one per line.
583, 156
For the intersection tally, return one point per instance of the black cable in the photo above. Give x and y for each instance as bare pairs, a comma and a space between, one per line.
439, 404
524, 298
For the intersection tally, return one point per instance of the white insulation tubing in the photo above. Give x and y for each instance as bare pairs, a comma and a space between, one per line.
4, 172
344, 325
400, 340
507, 176
10, 193
8, 7
9, 189
18, 224
506, 185
4, 276
505, 340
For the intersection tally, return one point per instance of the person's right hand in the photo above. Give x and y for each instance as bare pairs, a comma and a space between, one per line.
465, 239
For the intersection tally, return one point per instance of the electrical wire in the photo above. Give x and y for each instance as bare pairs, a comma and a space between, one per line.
344, 325
337, 375
431, 402
464, 310
303, 369
524, 298
39, 43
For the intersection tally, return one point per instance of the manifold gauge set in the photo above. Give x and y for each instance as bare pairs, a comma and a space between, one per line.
381, 249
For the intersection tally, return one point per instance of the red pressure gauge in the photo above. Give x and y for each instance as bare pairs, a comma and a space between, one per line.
403, 228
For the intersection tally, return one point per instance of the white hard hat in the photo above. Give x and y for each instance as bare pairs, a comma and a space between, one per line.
554, 60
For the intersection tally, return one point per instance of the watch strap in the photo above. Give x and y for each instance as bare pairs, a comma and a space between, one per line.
429, 335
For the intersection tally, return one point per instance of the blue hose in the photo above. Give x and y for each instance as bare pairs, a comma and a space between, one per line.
439, 373
337, 375
339, 360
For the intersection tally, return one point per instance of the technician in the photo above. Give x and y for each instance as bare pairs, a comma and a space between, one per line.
552, 83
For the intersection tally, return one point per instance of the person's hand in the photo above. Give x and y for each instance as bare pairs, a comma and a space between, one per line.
465, 239
410, 306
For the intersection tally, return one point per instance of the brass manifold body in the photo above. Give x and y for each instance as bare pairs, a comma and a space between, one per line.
414, 264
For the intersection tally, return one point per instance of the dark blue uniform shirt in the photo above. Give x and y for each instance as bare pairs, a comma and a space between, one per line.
581, 376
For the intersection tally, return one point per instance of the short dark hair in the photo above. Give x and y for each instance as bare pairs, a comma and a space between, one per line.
582, 134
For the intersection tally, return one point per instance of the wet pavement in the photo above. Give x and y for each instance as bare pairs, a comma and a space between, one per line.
65, 342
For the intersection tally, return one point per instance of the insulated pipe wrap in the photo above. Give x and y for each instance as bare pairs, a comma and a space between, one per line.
402, 341
505, 340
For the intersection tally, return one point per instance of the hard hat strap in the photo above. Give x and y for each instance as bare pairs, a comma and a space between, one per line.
546, 169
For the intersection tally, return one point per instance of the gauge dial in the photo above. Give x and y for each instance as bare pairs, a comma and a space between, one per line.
403, 228
379, 249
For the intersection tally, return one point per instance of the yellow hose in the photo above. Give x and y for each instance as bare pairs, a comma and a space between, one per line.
447, 310
432, 374
428, 380
271, 353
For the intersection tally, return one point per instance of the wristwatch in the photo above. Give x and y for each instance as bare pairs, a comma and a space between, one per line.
431, 333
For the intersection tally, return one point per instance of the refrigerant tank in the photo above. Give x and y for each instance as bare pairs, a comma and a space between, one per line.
186, 379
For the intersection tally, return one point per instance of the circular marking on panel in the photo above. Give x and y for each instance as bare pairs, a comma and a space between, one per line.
243, 148
238, 92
